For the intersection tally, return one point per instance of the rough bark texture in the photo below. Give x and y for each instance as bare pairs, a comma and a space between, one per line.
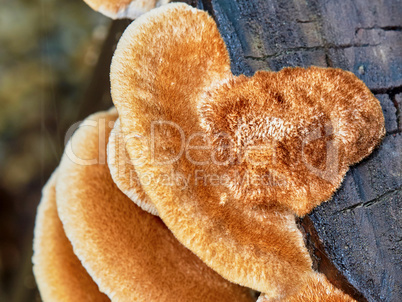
356, 237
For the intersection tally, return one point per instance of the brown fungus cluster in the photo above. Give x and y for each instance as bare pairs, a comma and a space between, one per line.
199, 175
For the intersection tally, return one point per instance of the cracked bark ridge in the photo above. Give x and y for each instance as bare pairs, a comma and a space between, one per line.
356, 238
398, 105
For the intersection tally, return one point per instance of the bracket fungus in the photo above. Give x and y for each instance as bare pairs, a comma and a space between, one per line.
123, 171
59, 274
128, 253
227, 163
121, 9
250, 153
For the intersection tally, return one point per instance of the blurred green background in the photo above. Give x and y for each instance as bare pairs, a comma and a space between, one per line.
49, 50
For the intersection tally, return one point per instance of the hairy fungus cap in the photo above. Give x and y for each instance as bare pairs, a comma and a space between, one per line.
123, 171
129, 253
298, 128
58, 272
171, 84
121, 9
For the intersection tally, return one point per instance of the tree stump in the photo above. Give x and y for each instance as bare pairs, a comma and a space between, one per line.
355, 239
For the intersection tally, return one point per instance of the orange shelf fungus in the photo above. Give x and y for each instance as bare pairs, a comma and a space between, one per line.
123, 171
130, 254
124, 9
243, 156
191, 188
58, 272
